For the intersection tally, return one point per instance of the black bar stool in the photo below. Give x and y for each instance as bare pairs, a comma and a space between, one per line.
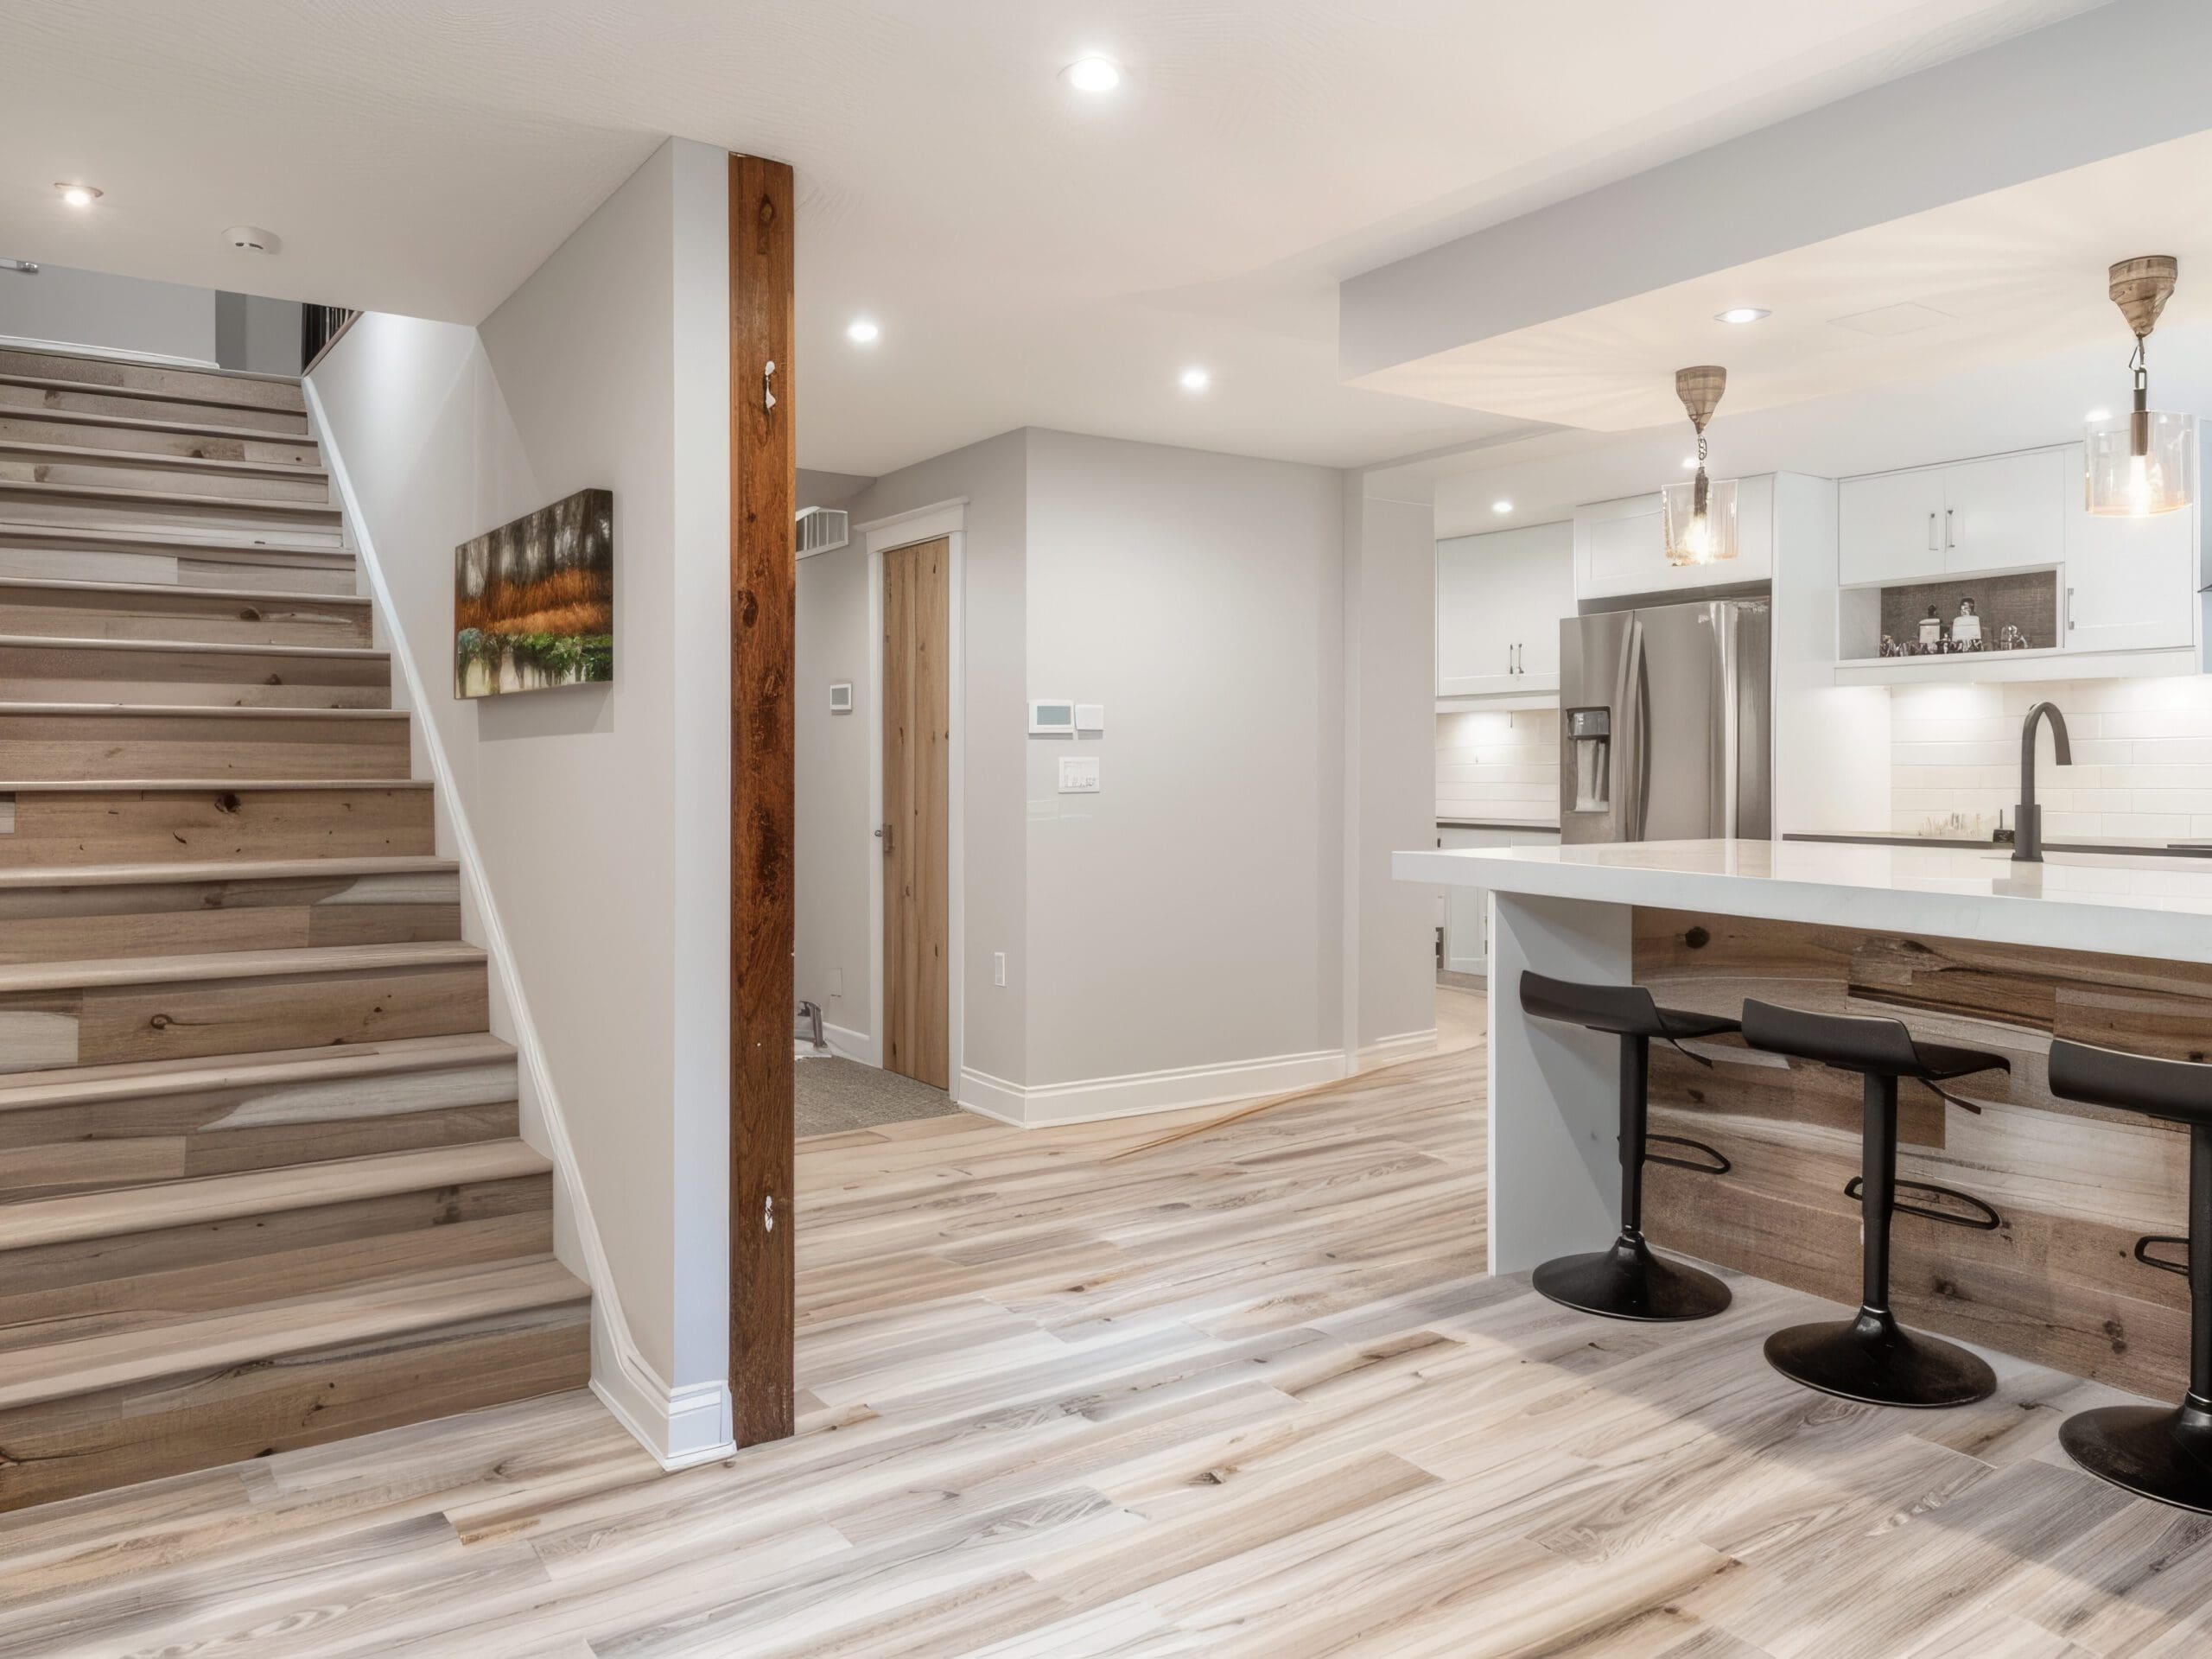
2147, 1449
1628, 1281
1870, 1357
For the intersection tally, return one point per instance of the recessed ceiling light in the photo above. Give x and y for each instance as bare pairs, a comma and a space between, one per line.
1196, 379
1741, 313
1501, 506
2096, 414
862, 332
1093, 74
77, 196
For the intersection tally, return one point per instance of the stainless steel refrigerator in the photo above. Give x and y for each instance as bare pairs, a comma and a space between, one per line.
1665, 723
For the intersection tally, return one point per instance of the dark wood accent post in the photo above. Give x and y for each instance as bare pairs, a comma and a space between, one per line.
762, 579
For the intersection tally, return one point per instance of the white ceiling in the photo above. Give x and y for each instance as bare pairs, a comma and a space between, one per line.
1032, 257
2016, 274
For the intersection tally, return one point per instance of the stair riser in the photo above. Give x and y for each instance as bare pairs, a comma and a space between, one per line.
231, 679
96, 826
293, 523
267, 1256
67, 613
192, 919
109, 1024
56, 556
92, 400
251, 392
96, 1441
119, 473
92, 746
130, 1141
25, 426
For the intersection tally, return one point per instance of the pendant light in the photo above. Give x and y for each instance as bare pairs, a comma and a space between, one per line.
2144, 461
1699, 518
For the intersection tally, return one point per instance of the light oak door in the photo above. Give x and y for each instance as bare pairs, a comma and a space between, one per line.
917, 735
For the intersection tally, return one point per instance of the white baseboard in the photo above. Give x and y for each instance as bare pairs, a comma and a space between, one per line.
1405, 1046
853, 1045
679, 1427
116, 353
1173, 1089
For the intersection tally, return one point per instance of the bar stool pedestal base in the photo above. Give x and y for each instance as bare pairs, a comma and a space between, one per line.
1873, 1359
1628, 1282
2157, 1450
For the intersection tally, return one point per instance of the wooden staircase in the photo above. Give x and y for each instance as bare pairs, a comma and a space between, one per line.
261, 1185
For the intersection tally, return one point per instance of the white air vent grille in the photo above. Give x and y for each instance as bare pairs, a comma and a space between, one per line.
822, 529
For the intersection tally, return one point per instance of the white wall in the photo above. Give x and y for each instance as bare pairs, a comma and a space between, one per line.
63, 306
599, 811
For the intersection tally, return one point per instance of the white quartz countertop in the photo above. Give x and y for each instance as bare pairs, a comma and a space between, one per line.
2117, 904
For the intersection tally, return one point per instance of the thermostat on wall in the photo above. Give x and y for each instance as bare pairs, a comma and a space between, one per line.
1050, 717
841, 698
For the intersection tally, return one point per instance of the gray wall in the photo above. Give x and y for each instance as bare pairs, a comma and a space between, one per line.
259, 336
69, 307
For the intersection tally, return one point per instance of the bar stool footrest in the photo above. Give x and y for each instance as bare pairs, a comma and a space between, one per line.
1717, 1166
1984, 1220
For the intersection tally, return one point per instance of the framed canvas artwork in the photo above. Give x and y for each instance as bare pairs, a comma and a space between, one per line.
533, 601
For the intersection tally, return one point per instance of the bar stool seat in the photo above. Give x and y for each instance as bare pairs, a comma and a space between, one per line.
1870, 1357
1628, 1281
2159, 1452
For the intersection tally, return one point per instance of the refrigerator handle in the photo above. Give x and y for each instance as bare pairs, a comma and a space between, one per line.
1727, 670
1632, 703
1643, 739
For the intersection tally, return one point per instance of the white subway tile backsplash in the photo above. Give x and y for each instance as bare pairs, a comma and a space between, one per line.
2142, 755
1499, 765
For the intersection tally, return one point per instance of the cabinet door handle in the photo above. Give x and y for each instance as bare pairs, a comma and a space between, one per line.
2069, 610
1950, 529
1932, 547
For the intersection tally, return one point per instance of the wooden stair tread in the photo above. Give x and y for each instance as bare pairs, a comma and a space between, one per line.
150, 1208
257, 597
150, 423
236, 1336
193, 647
238, 870
199, 711
197, 786
152, 460
184, 394
245, 506
165, 541
136, 1079
233, 964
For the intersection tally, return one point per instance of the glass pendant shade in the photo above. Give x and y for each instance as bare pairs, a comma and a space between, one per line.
2140, 463
1698, 520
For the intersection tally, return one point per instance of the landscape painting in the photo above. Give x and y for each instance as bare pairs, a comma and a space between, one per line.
533, 601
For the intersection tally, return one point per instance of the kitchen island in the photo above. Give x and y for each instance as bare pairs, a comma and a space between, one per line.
1967, 946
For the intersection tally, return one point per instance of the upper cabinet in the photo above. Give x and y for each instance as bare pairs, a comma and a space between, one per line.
2005, 513
2131, 583
1499, 598
1619, 549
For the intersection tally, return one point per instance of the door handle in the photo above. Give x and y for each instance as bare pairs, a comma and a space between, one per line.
883, 834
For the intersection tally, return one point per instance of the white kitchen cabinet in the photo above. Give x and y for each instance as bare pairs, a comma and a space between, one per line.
1499, 598
1620, 549
1889, 527
1467, 910
2005, 513
2131, 583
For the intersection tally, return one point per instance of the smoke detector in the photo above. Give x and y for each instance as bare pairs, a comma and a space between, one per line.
248, 238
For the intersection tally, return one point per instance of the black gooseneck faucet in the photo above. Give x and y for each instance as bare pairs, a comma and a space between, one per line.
2027, 826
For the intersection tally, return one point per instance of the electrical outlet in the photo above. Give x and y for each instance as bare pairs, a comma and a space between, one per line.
998, 967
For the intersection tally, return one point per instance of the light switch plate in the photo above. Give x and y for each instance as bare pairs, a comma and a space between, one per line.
1090, 716
1078, 775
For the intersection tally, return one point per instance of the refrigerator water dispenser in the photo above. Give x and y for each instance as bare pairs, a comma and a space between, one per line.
1590, 731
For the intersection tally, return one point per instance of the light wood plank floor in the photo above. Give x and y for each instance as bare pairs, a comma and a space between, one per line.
1247, 1392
